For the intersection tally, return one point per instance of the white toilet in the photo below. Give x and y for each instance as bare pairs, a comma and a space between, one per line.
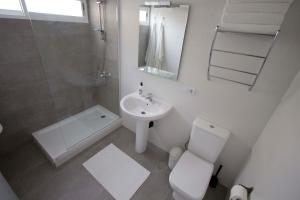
191, 175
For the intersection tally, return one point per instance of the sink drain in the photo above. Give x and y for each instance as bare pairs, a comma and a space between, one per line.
143, 112
103, 116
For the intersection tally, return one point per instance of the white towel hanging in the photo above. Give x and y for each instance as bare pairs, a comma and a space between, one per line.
151, 49
160, 50
155, 55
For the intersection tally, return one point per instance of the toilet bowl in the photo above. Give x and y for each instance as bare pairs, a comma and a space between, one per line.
190, 177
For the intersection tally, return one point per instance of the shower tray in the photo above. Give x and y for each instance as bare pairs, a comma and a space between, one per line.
65, 139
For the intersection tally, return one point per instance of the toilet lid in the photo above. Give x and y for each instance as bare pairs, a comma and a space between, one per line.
191, 175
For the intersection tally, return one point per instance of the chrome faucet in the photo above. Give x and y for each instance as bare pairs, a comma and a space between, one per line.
149, 97
103, 74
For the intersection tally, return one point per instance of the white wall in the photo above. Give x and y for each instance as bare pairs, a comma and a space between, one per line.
274, 164
229, 105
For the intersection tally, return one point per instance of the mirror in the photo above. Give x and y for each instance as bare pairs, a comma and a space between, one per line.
161, 37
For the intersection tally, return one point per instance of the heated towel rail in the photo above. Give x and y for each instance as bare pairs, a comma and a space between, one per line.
256, 75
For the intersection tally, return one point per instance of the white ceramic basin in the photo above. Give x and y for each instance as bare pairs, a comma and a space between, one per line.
143, 111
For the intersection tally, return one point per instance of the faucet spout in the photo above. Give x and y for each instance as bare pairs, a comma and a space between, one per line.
149, 97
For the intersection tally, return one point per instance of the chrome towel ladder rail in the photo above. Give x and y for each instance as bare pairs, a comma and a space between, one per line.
256, 75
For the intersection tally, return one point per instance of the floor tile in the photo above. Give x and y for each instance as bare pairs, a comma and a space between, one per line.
33, 177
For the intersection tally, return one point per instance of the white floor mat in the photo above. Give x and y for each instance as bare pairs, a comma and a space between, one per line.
119, 174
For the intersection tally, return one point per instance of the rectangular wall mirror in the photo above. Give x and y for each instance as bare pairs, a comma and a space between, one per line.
161, 37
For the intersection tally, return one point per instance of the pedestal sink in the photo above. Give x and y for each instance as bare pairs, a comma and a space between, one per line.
144, 111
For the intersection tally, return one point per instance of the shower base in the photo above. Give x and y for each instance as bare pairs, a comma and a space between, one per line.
65, 139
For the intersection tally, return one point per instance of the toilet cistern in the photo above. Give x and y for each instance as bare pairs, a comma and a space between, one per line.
144, 110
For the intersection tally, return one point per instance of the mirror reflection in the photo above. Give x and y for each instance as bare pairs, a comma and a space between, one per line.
161, 37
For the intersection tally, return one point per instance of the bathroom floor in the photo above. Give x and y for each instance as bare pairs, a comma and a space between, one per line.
32, 176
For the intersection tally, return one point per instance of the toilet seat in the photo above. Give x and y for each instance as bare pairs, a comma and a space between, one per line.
190, 176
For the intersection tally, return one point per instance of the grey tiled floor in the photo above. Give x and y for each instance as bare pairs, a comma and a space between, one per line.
33, 177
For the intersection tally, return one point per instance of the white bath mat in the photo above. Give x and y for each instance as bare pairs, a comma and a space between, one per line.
119, 174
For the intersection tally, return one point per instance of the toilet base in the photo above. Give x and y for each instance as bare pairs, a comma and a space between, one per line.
177, 196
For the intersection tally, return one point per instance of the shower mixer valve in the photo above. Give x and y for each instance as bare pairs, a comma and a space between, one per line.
104, 74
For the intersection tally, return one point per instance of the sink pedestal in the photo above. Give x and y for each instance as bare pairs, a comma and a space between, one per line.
141, 135
143, 111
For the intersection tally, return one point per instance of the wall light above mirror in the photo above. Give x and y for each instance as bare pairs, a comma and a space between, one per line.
161, 36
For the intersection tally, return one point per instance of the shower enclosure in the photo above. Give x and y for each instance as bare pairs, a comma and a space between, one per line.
70, 68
